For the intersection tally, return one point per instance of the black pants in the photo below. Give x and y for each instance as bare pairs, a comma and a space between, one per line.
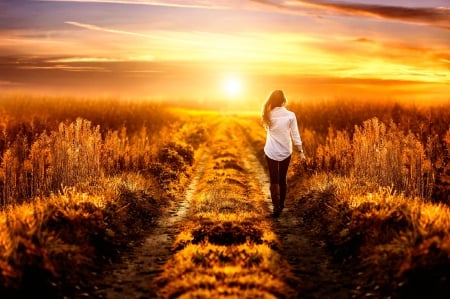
278, 170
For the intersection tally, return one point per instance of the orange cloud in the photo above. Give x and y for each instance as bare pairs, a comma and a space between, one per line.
62, 67
6, 84
434, 16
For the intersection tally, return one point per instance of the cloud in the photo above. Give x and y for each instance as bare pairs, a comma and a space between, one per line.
269, 3
5, 83
83, 59
63, 67
162, 37
444, 57
14, 63
144, 71
78, 59
435, 16
204, 4
363, 40
104, 29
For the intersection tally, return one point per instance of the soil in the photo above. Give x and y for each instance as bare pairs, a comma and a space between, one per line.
132, 276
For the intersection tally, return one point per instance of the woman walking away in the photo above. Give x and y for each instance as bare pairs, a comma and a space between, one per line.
282, 132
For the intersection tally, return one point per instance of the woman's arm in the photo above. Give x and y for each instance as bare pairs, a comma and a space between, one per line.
295, 135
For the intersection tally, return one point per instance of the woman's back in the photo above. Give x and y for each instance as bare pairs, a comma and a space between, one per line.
278, 142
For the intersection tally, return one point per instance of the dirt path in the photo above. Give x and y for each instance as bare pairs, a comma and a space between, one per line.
235, 178
318, 276
132, 276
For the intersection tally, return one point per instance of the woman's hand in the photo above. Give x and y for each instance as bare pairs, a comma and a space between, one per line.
302, 156
300, 150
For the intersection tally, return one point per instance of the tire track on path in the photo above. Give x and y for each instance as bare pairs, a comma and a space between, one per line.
131, 277
227, 248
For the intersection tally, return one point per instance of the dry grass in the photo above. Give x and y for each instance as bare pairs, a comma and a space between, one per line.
38, 159
80, 178
41, 240
48, 143
400, 245
397, 144
377, 153
89, 217
389, 157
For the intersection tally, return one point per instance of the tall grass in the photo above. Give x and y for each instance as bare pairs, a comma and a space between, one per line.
336, 154
76, 154
343, 114
378, 153
75, 151
66, 157
49, 143
447, 144
389, 157
399, 145
105, 211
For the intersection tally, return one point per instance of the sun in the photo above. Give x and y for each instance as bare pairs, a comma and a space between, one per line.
232, 86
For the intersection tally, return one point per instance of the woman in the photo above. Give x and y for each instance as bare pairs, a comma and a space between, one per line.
282, 132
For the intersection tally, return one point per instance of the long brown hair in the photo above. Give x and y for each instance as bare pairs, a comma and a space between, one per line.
276, 99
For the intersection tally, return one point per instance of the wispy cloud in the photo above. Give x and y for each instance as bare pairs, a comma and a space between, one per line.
104, 29
204, 4
63, 67
144, 71
162, 36
83, 59
4, 83
69, 60
435, 16
276, 4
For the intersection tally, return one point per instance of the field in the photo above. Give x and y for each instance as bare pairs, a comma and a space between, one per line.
113, 198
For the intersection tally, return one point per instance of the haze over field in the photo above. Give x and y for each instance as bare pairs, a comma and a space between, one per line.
233, 50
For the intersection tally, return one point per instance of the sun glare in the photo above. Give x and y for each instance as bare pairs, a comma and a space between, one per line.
232, 86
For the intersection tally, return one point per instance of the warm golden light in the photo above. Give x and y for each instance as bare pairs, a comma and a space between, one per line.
232, 86
144, 58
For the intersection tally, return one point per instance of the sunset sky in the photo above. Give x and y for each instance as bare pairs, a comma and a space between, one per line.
237, 50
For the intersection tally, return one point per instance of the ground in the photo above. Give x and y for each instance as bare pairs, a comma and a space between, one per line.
219, 239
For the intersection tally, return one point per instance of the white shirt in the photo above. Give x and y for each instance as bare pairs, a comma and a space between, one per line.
281, 134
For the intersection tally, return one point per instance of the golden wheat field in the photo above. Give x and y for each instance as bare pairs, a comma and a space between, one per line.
198, 149
113, 198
